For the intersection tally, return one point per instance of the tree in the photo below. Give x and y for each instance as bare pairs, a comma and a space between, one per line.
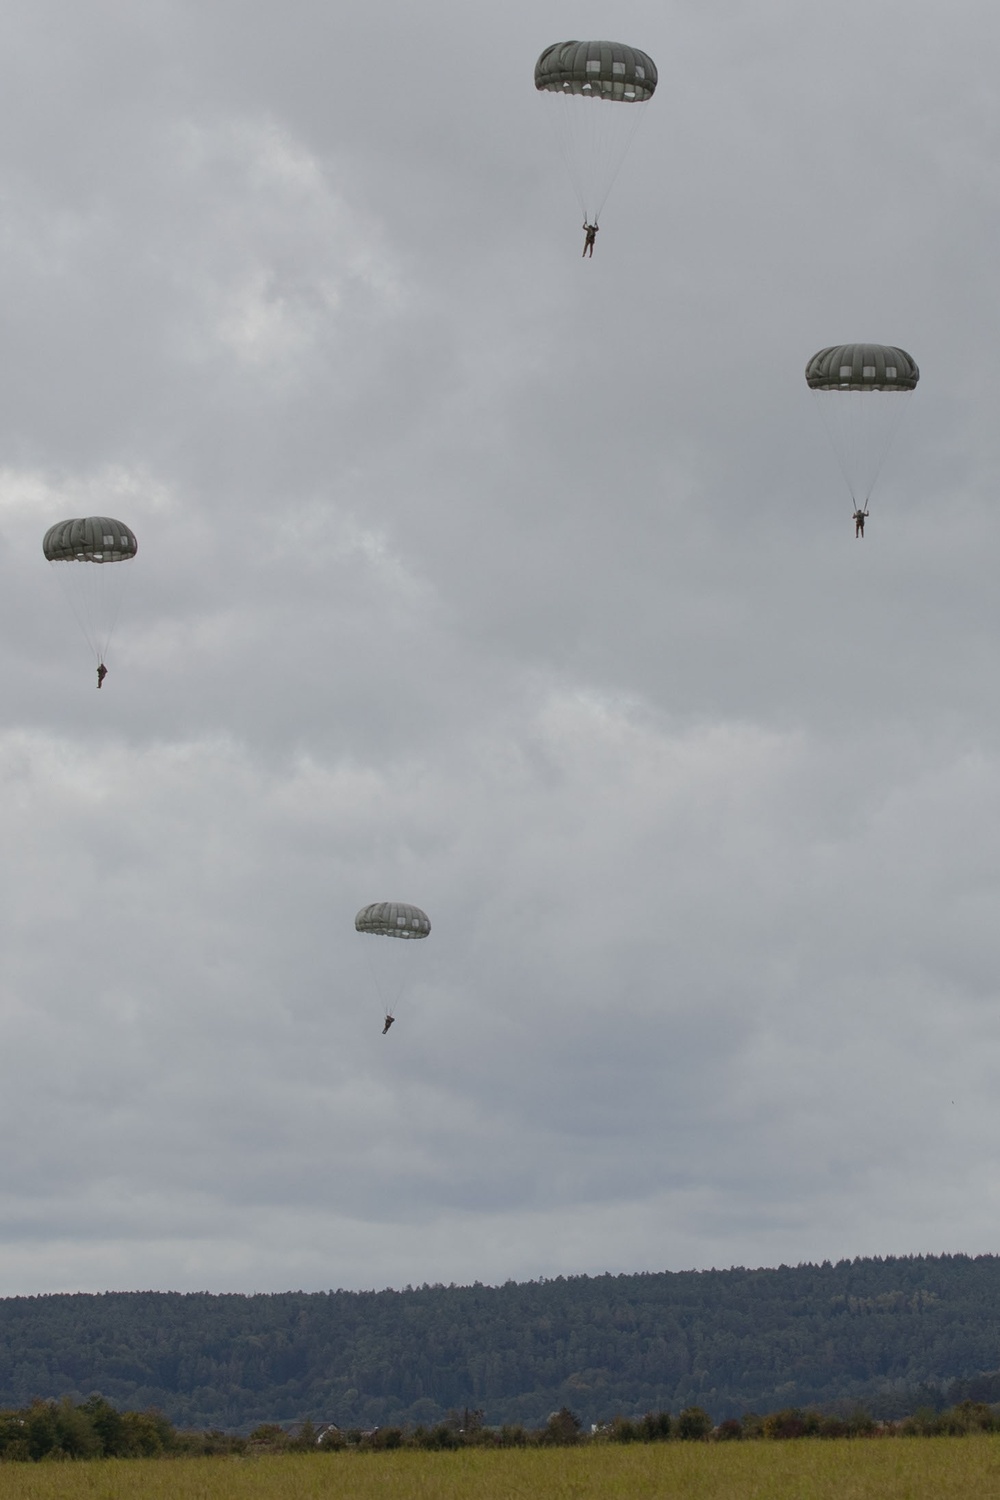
108, 1424
694, 1424
562, 1429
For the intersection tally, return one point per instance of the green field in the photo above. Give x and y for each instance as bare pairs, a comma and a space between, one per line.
966, 1468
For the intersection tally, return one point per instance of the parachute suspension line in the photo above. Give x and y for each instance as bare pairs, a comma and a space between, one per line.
78, 605
375, 980
861, 429
558, 126
117, 600
388, 1001
833, 434
638, 115
890, 430
95, 597
593, 137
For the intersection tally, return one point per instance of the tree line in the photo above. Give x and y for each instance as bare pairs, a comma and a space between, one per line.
889, 1334
53, 1430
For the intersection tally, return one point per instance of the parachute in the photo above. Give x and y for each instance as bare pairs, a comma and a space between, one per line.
80, 551
391, 963
588, 85
858, 389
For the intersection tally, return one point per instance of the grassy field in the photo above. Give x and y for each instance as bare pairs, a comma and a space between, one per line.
966, 1468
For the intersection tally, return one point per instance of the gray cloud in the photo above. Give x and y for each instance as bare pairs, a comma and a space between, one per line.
524, 589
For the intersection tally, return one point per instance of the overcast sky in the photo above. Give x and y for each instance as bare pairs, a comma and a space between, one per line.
514, 585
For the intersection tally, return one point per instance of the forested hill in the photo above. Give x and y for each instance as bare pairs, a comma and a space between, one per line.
890, 1334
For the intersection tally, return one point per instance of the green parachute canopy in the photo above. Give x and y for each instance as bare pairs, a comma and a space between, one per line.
857, 389
602, 70
576, 77
394, 919
862, 367
78, 549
